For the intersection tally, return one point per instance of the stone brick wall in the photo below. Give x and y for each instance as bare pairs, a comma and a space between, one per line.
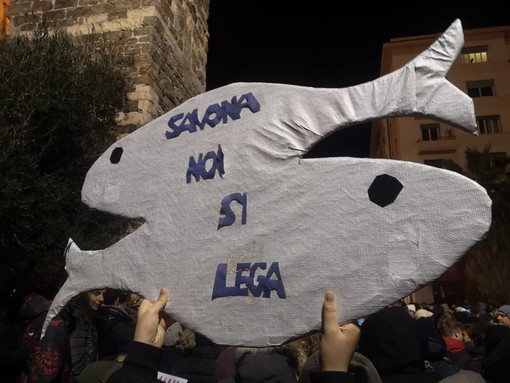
166, 39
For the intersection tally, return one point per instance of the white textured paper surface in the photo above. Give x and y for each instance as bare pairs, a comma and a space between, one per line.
299, 227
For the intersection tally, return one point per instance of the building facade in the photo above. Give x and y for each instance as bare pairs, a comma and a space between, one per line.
166, 40
482, 70
4, 18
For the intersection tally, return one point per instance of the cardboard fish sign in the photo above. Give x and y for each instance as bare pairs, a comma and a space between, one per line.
247, 234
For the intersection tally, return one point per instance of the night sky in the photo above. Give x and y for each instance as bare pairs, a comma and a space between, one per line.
317, 44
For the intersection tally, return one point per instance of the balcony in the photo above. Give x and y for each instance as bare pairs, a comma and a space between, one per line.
445, 144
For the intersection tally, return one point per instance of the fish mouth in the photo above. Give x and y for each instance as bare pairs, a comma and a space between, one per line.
133, 225
108, 229
345, 142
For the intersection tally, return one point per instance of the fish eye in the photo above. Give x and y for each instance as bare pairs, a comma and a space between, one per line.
116, 155
384, 190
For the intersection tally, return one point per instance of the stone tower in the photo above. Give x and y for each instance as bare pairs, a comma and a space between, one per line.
167, 40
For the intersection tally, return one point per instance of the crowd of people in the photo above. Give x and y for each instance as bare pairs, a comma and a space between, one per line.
113, 336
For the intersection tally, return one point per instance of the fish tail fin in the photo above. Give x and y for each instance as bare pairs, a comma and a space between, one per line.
436, 97
444, 51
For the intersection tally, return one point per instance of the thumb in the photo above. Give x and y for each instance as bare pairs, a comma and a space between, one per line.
329, 313
161, 301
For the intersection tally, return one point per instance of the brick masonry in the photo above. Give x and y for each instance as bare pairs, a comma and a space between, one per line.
167, 42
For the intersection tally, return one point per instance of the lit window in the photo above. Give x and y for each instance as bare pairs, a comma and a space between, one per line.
472, 55
481, 88
429, 132
488, 124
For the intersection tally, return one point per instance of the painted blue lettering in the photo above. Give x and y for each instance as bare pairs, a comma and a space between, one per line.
199, 169
213, 115
229, 216
178, 129
220, 288
242, 279
245, 283
268, 283
233, 108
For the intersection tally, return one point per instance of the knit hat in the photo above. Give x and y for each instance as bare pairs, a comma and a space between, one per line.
505, 309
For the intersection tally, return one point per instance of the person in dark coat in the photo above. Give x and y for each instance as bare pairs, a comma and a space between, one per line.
69, 343
12, 353
389, 339
83, 339
115, 330
456, 351
115, 327
432, 344
496, 364
265, 367
193, 357
283, 363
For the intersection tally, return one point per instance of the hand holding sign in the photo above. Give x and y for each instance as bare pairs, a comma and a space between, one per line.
246, 233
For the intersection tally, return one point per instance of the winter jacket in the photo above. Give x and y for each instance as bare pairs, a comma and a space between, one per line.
69, 343
458, 355
267, 364
432, 344
50, 357
389, 339
496, 364
142, 361
115, 330
84, 345
140, 366
13, 352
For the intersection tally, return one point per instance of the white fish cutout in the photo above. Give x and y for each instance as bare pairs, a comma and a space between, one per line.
247, 235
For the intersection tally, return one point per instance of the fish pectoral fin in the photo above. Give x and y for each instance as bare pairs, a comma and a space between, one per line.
71, 247
72, 254
63, 297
